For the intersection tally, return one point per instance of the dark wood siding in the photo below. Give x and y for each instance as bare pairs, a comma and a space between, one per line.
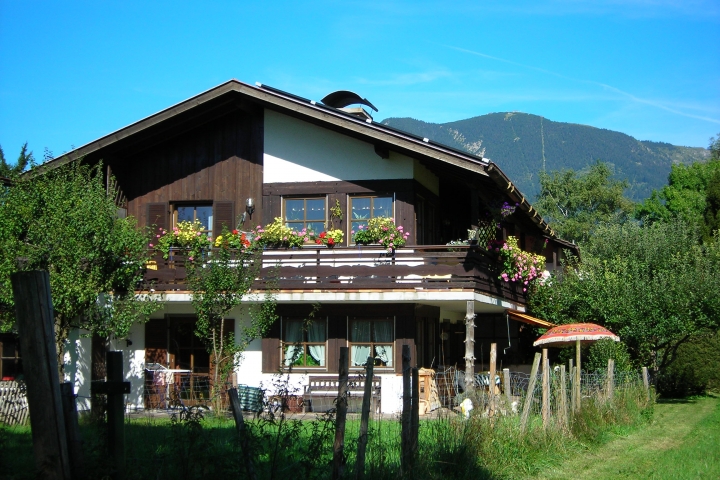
157, 214
404, 335
218, 160
337, 337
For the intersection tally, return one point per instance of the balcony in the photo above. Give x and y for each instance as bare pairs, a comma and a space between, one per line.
361, 268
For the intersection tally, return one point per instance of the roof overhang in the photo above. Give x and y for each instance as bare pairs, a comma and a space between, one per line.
522, 317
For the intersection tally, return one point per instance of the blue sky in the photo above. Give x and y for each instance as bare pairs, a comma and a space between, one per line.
71, 72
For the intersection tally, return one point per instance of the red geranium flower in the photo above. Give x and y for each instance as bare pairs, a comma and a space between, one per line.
235, 232
331, 241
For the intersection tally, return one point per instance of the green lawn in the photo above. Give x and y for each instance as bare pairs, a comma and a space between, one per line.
683, 441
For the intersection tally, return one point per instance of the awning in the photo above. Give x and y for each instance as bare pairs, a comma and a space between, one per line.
521, 317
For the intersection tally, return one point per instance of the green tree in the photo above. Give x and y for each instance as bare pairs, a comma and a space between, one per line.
219, 283
655, 286
63, 221
24, 160
686, 194
574, 204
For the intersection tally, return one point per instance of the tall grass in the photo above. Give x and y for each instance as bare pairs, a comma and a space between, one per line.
191, 446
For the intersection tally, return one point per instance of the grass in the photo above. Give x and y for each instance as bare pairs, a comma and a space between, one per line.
681, 442
449, 448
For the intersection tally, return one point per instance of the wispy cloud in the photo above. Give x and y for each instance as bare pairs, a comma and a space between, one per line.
404, 79
634, 98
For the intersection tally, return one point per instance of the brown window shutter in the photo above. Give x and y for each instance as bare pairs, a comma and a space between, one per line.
156, 341
223, 214
157, 214
271, 349
337, 337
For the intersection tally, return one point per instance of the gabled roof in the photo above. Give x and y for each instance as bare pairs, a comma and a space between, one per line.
234, 94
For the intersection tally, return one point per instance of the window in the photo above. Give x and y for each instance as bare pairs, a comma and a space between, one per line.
191, 212
363, 209
307, 213
10, 361
304, 343
371, 338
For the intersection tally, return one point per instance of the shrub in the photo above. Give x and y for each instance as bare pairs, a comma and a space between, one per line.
601, 351
695, 369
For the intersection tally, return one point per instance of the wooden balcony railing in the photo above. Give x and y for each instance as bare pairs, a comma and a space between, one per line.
428, 267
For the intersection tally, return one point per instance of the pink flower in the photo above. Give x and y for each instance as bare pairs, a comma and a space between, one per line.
151, 245
190, 258
157, 236
524, 289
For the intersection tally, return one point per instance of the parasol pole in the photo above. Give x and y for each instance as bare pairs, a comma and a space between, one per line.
577, 375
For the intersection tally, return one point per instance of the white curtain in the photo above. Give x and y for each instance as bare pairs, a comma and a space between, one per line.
360, 333
383, 333
316, 334
293, 335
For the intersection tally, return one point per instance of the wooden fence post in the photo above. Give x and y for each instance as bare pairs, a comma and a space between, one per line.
493, 372
405, 435
35, 319
72, 430
116, 413
507, 388
470, 347
339, 446
646, 382
545, 388
415, 418
530, 393
364, 419
240, 427
610, 380
563, 399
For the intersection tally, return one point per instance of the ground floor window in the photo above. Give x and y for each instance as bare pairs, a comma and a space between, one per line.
371, 338
189, 352
10, 362
304, 342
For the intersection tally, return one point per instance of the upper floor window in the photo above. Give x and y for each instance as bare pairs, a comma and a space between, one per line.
363, 209
186, 212
305, 213
304, 343
371, 338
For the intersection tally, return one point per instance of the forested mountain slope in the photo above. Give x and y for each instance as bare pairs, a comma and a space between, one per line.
524, 144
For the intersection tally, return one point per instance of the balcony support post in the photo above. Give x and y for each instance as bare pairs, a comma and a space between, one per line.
470, 346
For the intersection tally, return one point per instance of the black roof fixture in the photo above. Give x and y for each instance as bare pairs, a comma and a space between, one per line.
343, 98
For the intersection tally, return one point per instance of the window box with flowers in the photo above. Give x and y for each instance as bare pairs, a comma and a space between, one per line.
329, 238
382, 231
188, 237
518, 266
279, 235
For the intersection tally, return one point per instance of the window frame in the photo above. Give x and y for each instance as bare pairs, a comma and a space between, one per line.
373, 343
195, 205
305, 221
372, 198
304, 344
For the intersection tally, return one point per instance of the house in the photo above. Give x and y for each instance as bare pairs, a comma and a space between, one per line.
212, 155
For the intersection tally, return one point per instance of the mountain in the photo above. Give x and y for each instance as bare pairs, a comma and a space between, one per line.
524, 144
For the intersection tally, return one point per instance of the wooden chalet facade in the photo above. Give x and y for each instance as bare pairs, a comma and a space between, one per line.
204, 157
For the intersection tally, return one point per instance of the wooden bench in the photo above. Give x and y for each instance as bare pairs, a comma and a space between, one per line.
321, 393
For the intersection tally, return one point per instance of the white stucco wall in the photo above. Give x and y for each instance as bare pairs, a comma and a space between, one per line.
297, 151
76, 366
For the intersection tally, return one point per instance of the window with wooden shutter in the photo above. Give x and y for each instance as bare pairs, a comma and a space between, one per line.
224, 214
158, 215
156, 341
271, 349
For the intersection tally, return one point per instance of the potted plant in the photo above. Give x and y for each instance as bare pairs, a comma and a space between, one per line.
518, 265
